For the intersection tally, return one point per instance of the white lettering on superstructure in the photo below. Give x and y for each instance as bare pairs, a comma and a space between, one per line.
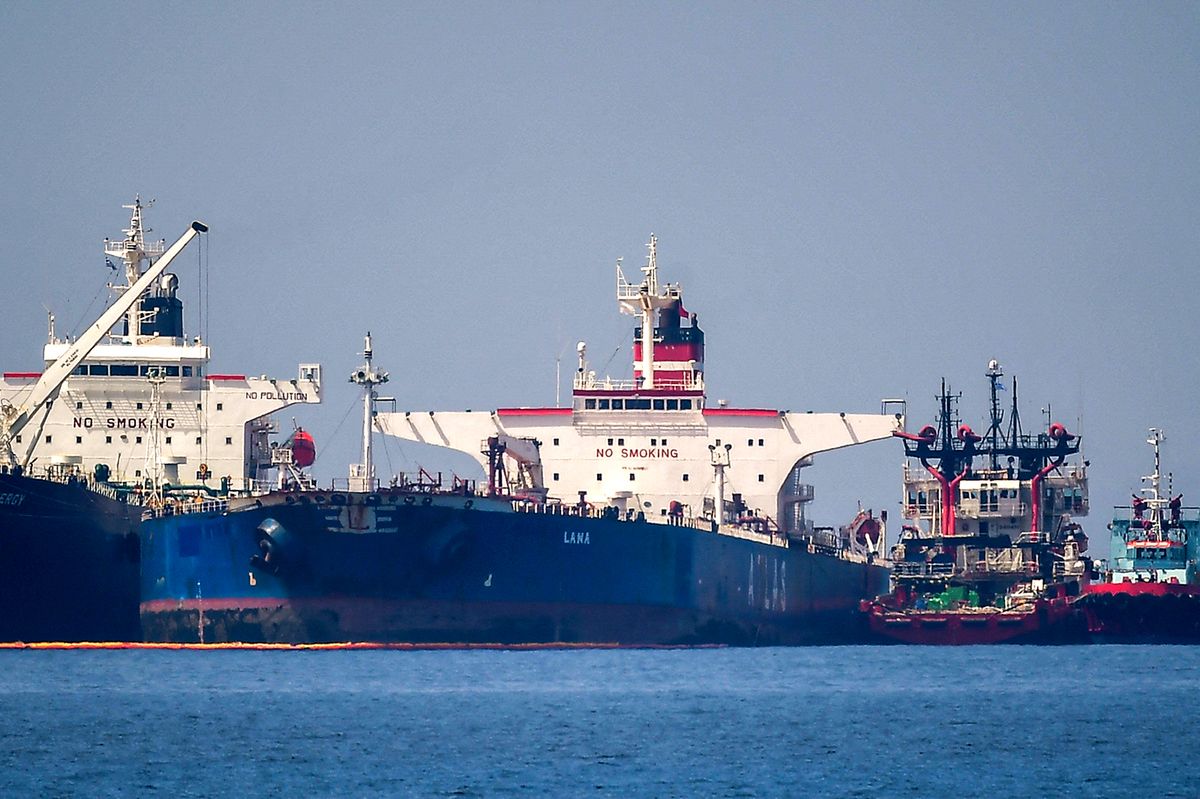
641, 453
295, 396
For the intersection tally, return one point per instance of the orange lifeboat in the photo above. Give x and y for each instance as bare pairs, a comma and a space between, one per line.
304, 449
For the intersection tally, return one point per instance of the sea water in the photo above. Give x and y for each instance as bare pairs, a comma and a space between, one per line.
1005, 721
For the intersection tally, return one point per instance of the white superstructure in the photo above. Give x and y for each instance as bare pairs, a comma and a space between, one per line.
213, 429
653, 444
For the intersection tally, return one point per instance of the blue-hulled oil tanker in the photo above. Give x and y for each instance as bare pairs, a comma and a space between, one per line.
637, 516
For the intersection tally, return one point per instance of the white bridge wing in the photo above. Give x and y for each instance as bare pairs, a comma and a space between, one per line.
820, 432
464, 431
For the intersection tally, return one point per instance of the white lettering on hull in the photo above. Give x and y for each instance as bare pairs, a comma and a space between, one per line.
576, 537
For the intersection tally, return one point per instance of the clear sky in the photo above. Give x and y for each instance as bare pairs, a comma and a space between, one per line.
859, 200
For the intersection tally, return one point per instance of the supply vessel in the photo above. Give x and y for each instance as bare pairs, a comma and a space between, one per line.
1149, 588
116, 417
991, 551
640, 515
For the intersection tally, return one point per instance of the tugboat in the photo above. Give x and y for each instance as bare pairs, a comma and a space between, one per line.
1149, 591
76, 464
991, 553
640, 516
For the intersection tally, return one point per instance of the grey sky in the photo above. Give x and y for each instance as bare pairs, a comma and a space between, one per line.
859, 200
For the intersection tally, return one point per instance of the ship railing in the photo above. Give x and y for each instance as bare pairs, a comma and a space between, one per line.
1033, 537
1001, 509
179, 507
73, 476
1188, 513
920, 569
1004, 566
588, 382
589, 511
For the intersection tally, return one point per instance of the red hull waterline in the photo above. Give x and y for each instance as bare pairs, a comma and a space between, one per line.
1052, 621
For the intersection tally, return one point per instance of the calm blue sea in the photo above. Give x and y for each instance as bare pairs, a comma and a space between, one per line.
842, 721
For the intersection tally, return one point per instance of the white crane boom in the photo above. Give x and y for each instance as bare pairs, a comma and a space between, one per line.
13, 418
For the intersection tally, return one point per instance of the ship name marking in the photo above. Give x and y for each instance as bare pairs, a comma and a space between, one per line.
576, 537
11, 499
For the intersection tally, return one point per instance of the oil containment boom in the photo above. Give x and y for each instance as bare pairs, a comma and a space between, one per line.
13, 418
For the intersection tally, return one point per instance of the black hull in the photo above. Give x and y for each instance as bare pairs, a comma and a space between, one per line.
1132, 618
68, 563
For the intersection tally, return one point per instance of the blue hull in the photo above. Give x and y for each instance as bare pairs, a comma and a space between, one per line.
302, 569
68, 563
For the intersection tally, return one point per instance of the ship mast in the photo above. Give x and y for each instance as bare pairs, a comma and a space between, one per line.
132, 251
643, 301
994, 373
362, 475
1155, 500
154, 464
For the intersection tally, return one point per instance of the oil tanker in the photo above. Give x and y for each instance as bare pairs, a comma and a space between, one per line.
637, 516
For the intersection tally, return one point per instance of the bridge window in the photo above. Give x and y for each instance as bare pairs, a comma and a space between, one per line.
98, 369
685, 405
187, 371
602, 404
672, 405
659, 405
589, 405
618, 405
123, 370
